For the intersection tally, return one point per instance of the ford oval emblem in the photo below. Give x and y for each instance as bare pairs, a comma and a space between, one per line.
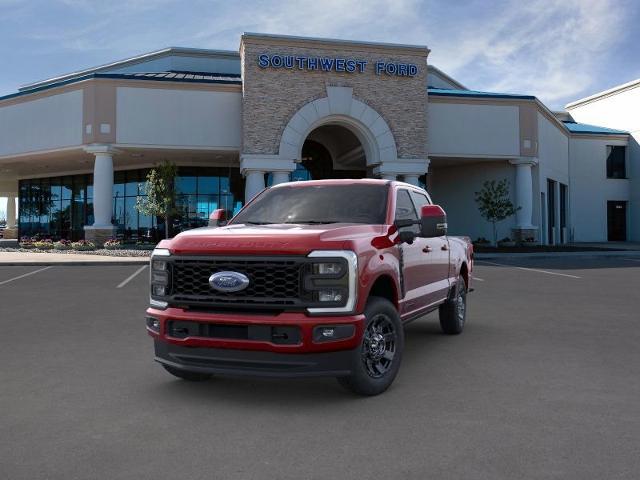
229, 281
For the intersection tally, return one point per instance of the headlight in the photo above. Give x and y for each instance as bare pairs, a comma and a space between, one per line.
328, 268
331, 281
160, 276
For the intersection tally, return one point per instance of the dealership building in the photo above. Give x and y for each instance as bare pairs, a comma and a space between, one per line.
75, 149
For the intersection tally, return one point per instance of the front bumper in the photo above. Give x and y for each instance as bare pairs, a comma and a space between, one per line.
253, 363
306, 356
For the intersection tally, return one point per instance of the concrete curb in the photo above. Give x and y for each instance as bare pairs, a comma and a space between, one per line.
594, 254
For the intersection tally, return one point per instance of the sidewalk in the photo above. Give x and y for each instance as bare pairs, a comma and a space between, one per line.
32, 258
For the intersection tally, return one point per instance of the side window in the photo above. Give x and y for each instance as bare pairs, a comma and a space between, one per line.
419, 199
405, 209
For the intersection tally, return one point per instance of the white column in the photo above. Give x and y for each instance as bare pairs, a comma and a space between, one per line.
388, 176
412, 179
280, 177
103, 189
254, 183
11, 211
524, 192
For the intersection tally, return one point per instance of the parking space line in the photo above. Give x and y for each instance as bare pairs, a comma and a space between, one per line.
25, 275
478, 279
131, 277
633, 259
529, 269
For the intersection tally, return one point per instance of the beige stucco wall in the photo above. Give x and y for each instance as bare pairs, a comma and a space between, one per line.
271, 96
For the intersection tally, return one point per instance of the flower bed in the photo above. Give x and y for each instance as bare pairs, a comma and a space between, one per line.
83, 245
62, 245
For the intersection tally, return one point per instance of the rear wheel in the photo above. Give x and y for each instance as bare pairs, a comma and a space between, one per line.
186, 375
453, 312
375, 363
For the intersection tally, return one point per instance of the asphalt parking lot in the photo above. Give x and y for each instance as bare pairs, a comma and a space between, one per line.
543, 383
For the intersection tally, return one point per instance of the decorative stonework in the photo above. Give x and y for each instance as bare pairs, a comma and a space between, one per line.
98, 235
10, 233
393, 106
339, 106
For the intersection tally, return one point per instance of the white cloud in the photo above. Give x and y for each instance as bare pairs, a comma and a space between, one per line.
554, 49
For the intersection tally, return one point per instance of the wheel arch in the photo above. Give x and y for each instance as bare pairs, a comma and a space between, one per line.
384, 286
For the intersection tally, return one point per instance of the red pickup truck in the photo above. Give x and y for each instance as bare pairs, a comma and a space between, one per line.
311, 278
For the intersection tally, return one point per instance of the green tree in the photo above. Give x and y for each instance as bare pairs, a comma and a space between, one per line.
494, 203
160, 199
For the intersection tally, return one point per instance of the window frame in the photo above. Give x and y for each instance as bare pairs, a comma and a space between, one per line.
609, 169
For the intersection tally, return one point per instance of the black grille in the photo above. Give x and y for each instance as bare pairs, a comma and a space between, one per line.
273, 282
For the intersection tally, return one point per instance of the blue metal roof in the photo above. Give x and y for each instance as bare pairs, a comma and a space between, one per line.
444, 92
188, 77
575, 127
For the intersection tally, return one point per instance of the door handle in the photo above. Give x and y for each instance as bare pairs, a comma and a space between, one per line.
426, 249
444, 247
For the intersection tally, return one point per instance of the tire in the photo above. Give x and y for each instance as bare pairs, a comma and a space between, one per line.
453, 312
375, 363
187, 375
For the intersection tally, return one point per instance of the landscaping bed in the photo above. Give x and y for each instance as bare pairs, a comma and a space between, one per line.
123, 252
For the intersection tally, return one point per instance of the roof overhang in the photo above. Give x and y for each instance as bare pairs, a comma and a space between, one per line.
145, 57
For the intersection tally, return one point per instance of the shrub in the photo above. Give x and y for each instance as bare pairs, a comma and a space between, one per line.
113, 244
26, 242
43, 244
62, 245
83, 245
482, 241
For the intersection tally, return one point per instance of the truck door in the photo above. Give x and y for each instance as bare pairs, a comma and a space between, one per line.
437, 256
417, 276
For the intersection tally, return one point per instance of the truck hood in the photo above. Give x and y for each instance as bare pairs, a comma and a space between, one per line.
284, 239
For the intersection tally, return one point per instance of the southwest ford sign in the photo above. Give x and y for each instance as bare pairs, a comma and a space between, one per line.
331, 64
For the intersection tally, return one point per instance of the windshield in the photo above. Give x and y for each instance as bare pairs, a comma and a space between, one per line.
318, 204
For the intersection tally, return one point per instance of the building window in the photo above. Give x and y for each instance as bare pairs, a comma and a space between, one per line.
60, 207
616, 161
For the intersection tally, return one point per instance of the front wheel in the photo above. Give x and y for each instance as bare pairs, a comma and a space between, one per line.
375, 363
453, 312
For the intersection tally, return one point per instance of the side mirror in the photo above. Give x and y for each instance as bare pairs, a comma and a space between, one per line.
218, 218
433, 221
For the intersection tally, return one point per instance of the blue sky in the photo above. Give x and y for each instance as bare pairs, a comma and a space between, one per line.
557, 50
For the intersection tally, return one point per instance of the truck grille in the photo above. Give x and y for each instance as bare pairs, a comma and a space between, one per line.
274, 282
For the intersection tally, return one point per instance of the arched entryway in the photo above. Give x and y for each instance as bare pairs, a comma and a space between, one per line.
333, 151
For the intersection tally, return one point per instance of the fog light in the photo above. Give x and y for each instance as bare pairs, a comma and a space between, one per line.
328, 333
331, 295
158, 290
153, 324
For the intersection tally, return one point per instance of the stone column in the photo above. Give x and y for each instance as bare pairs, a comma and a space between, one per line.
102, 228
408, 168
412, 179
11, 232
253, 167
524, 198
280, 177
254, 183
11, 211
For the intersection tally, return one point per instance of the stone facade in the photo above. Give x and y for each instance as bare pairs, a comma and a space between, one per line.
272, 96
